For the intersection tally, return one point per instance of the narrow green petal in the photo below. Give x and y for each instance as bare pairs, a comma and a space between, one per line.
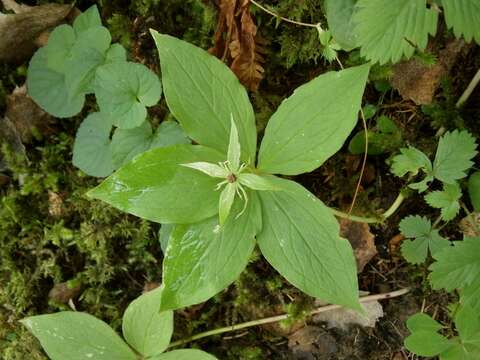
259, 182
226, 201
210, 169
233, 147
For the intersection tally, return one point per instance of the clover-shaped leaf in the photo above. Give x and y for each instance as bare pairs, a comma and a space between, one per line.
123, 90
91, 151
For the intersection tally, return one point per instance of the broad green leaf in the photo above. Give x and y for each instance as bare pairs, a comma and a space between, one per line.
86, 20
467, 323
202, 93
92, 151
86, 55
144, 327
226, 201
474, 190
389, 30
60, 43
48, 89
77, 336
457, 267
185, 354
470, 295
128, 143
454, 156
463, 17
424, 322
300, 239
164, 235
124, 89
116, 52
424, 238
258, 182
427, 343
459, 351
446, 200
340, 22
202, 259
154, 186
410, 160
312, 124
169, 133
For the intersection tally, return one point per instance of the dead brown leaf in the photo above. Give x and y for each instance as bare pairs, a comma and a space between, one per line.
312, 342
470, 225
417, 81
63, 293
362, 240
26, 115
238, 43
20, 31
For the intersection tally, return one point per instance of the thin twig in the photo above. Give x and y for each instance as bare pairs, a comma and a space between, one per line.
261, 7
278, 318
364, 162
469, 90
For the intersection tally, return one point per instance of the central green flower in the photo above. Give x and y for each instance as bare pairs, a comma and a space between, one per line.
234, 175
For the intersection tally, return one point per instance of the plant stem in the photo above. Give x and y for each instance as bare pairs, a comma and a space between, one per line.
261, 7
373, 220
278, 318
469, 90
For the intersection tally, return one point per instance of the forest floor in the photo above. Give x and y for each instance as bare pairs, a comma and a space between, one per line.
51, 236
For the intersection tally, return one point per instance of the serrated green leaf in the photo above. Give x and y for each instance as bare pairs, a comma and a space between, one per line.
86, 20
470, 295
340, 21
204, 258
467, 323
77, 336
86, 55
202, 93
144, 327
463, 17
300, 239
185, 354
454, 156
421, 321
48, 89
124, 89
427, 343
312, 124
474, 190
424, 238
410, 160
458, 266
156, 187
60, 43
92, 151
446, 200
389, 30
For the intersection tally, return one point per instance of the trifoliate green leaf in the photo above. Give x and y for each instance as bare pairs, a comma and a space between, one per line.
474, 190
424, 339
226, 201
389, 30
86, 55
128, 143
410, 160
457, 267
145, 328
463, 17
92, 151
124, 89
60, 43
77, 336
340, 21
454, 154
446, 200
48, 89
86, 20
424, 238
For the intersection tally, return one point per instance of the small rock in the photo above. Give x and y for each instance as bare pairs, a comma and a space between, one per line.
312, 343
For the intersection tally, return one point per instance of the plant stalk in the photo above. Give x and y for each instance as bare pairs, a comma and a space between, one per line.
261, 7
469, 90
278, 318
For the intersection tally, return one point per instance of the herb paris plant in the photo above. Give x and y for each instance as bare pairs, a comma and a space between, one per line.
78, 336
295, 231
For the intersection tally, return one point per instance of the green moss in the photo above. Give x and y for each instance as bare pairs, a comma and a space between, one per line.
120, 27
